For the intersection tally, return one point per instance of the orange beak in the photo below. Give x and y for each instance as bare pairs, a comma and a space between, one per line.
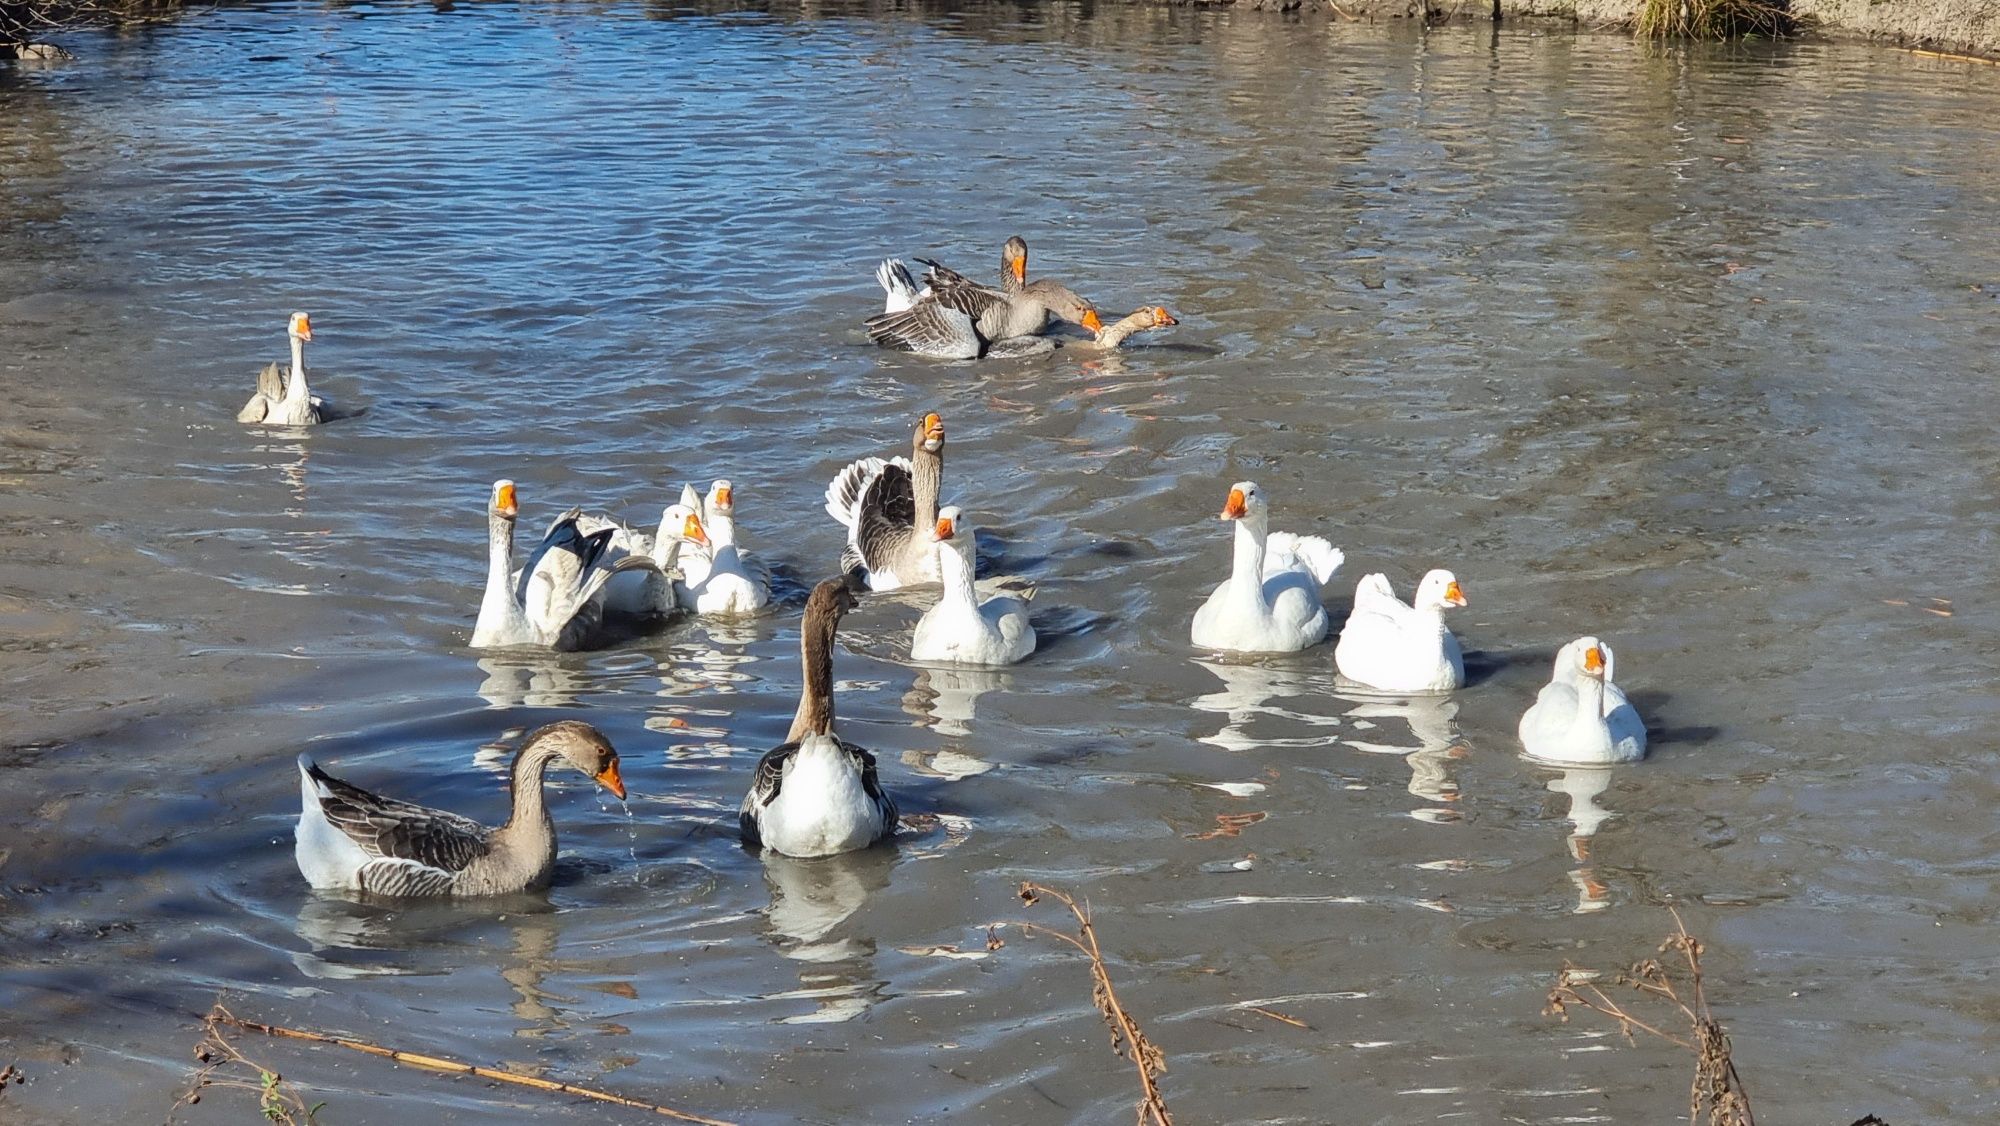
609, 779
1092, 321
1163, 317
1593, 660
1237, 508
933, 427
1452, 595
1020, 268
692, 530
305, 328
722, 498
944, 529
503, 501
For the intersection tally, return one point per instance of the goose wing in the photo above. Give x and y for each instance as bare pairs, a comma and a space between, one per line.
885, 514
387, 829
1284, 551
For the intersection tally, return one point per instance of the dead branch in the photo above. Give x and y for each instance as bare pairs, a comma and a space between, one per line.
1127, 1041
223, 1066
219, 1016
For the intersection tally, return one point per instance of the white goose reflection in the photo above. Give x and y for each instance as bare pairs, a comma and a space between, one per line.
530, 680
1583, 784
1432, 720
810, 900
1242, 702
948, 699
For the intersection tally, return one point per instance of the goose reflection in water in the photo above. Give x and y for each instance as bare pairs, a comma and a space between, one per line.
810, 902
947, 700
531, 680
1583, 784
1242, 702
1432, 721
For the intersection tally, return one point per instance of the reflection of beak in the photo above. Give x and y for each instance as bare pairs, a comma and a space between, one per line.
503, 502
693, 531
1236, 509
1092, 321
1453, 596
1593, 660
609, 779
944, 528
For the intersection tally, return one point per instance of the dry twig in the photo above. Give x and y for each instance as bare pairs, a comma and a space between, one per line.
222, 1066
1717, 1088
219, 1016
1126, 1038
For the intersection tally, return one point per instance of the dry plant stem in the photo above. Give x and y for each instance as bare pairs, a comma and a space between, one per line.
277, 1100
222, 1016
1716, 1086
1126, 1038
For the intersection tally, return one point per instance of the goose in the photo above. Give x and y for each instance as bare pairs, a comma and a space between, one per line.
726, 580
1143, 320
554, 602
1392, 647
643, 593
816, 794
283, 399
1580, 716
959, 319
1270, 601
884, 503
900, 289
960, 629
351, 840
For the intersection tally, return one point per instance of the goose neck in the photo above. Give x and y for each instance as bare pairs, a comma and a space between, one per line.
529, 824
1247, 572
296, 388
815, 714
955, 572
927, 473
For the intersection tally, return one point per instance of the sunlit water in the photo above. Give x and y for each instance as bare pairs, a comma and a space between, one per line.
1693, 351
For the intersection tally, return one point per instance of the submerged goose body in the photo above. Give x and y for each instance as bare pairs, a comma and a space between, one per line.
1580, 716
554, 601
955, 318
888, 508
816, 794
960, 629
725, 579
282, 397
1270, 601
1392, 646
351, 840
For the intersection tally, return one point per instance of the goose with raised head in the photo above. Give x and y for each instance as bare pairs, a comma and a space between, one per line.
960, 629
725, 579
1392, 646
1580, 716
959, 319
282, 397
651, 593
900, 290
816, 794
351, 840
888, 508
555, 600
1270, 601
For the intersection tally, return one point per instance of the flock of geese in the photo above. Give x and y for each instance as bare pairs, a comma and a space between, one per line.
817, 794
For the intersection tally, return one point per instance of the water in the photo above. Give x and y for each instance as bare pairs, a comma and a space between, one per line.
1690, 350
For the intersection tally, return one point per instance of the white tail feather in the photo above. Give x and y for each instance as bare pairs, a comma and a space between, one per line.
1320, 558
898, 284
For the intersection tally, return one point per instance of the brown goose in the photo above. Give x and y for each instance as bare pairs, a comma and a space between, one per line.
1152, 317
902, 292
816, 794
351, 840
883, 503
959, 319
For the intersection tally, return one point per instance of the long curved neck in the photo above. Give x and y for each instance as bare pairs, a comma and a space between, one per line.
721, 529
1589, 701
529, 825
498, 607
1246, 574
1115, 334
927, 471
295, 388
815, 714
955, 571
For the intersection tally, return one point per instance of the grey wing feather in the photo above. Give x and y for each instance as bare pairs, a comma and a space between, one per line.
872, 785
929, 328
764, 787
271, 382
885, 516
395, 877
385, 828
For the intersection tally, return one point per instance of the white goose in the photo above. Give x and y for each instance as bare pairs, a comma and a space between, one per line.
282, 398
1392, 647
725, 580
641, 593
1580, 716
960, 629
354, 841
1270, 601
555, 601
816, 794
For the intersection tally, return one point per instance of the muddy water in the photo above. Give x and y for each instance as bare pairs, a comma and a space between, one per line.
1690, 350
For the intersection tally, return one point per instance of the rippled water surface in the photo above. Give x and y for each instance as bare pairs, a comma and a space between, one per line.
1693, 351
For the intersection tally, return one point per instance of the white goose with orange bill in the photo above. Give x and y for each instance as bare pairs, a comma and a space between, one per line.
960, 629
639, 592
351, 840
724, 579
817, 794
282, 397
554, 602
1580, 716
1270, 601
1391, 646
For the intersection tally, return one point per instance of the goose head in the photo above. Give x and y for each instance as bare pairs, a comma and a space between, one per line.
685, 525
828, 603
583, 747
720, 497
1155, 316
930, 433
1014, 259
953, 532
503, 505
1437, 591
299, 326
1246, 502
1064, 302
1586, 656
